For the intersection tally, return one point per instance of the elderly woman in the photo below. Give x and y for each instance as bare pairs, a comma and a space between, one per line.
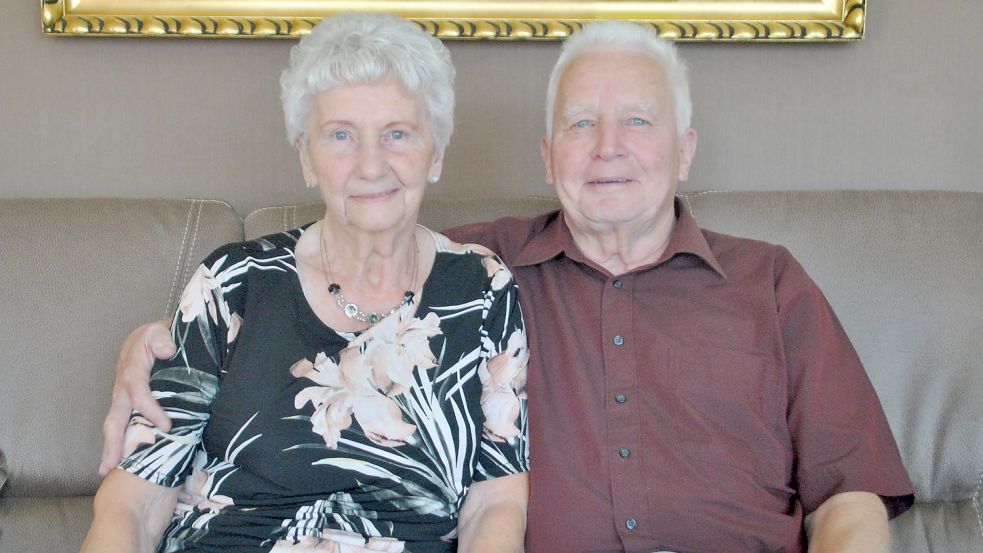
355, 385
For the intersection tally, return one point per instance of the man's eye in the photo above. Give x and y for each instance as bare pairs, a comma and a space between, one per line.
340, 135
582, 124
637, 122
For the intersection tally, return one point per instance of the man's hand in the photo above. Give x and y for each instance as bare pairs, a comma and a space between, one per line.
131, 390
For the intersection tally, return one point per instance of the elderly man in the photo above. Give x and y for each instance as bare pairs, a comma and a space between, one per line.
689, 391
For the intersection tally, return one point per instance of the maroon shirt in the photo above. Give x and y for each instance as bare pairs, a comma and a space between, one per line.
704, 403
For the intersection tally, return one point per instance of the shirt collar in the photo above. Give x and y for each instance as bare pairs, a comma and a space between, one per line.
555, 239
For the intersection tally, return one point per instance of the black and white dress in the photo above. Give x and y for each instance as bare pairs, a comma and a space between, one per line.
290, 436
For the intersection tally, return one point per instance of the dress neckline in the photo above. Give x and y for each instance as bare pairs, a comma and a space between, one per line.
313, 322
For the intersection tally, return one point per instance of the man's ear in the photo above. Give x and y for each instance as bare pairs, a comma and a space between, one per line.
544, 150
687, 150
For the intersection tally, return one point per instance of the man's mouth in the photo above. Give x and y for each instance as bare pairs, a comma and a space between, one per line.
609, 180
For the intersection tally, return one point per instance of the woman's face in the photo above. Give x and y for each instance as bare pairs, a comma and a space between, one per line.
370, 152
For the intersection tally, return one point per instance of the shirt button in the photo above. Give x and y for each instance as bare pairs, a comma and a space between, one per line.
631, 524
618, 284
624, 452
620, 398
618, 340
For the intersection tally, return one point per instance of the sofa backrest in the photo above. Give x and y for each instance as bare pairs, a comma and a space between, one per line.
436, 213
75, 277
902, 270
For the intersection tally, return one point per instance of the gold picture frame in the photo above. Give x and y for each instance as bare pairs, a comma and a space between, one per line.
681, 20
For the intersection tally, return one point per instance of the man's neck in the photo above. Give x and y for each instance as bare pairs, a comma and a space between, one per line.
621, 248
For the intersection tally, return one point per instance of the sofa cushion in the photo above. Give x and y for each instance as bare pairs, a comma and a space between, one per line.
78, 275
44, 524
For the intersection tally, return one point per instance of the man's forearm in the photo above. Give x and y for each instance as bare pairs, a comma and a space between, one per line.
849, 522
131, 514
115, 531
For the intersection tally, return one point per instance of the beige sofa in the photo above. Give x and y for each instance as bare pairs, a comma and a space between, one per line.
904, 271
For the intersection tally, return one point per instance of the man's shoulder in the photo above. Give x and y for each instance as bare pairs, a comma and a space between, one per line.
727, 243
506, 236
741, 254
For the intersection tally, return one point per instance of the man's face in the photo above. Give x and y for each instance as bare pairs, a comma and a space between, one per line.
615, 157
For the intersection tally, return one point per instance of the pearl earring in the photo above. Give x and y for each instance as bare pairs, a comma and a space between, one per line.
308, 184
434, 179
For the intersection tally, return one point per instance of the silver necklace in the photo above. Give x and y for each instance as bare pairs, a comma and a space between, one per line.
351, 309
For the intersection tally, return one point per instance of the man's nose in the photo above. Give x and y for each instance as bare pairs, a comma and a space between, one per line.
609, 140
371, 163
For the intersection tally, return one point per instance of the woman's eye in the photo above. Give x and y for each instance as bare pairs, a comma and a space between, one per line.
397, 135
340, 135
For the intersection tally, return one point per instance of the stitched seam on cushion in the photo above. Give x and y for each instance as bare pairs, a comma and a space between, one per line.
263, 210
711, 191
688, 206
976, 502
189, 262
177, 269
685, 197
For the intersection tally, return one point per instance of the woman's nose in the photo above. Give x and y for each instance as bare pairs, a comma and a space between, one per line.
371, 163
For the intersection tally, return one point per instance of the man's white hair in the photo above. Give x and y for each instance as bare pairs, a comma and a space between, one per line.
608, 36
365, 49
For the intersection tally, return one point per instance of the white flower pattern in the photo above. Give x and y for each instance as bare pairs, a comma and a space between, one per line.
503, 380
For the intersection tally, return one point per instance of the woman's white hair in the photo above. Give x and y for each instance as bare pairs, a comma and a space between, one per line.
365, 49
607, 36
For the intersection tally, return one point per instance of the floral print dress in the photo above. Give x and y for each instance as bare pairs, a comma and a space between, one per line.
291, 437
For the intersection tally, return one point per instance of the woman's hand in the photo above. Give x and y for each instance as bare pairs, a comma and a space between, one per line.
493, 517
131, 515
131, 390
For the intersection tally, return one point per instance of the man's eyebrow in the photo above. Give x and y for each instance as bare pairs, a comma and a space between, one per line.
572, 112
641, 106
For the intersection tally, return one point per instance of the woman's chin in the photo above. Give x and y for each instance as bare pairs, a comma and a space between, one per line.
381, 221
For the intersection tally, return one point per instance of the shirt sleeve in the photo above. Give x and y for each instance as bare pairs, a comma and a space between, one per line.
841, 437
504, 447
185, 384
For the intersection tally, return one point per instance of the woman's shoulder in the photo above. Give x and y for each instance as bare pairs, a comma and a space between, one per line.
274, 248
480, 259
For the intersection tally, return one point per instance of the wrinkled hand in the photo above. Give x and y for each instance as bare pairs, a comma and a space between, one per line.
131, 390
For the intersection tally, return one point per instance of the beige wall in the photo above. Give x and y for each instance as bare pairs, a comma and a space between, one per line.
177, 118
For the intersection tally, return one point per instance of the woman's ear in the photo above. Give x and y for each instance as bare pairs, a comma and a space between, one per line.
436, 167
303, 151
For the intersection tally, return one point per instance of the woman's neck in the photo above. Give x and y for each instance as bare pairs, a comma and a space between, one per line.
374, 275
376, 262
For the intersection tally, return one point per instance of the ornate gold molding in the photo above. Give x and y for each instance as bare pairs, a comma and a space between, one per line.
705, 20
